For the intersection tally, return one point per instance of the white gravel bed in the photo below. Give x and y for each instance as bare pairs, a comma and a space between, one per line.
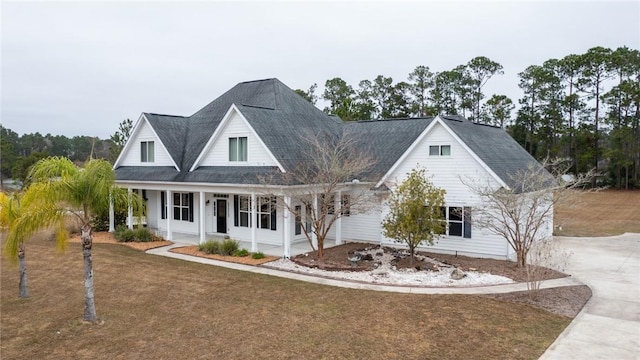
407, 277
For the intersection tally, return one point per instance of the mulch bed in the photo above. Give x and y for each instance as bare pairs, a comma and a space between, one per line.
104, 237
246, 260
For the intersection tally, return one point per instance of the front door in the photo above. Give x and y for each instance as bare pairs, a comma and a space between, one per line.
221, 222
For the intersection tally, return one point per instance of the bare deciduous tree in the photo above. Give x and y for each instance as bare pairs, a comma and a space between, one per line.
332, 165
521, 213
544, 257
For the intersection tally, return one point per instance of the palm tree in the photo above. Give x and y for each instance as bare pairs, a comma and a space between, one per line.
80, 192
21, 220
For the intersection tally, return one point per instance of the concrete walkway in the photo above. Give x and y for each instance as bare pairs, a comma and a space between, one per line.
608, 327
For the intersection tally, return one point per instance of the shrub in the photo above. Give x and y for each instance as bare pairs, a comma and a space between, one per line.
257, 255
124, 234
142, 234
241, 253
229, 246
209, 247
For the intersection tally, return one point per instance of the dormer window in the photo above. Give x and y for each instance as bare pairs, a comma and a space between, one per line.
237, 149
147, 151
439, 150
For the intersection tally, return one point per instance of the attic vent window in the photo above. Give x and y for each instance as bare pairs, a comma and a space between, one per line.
439, 150
238, 149
147, 153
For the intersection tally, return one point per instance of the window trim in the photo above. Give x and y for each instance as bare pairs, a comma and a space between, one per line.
345, 205
439, 150
239, 210
241, 153
267, 218
185, 203
298, 220
147, 156
465, 221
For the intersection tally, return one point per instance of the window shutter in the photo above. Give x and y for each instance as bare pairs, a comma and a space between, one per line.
163, 204
236, 210
273, 213
190, 207
467, 222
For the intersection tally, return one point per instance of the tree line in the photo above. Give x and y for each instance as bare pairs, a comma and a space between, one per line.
584, 107
19, 153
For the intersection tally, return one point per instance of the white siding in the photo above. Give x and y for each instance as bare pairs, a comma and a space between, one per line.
362, 227
218, 155
449, 172
132, 155
153, 204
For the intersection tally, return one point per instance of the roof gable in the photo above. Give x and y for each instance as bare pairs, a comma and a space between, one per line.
143, 130
234, 124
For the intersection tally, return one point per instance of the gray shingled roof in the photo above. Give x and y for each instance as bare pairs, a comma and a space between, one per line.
493, 146
386, 140
282, 118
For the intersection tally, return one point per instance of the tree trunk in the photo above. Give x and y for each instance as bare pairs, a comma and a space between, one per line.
89, 306
23, 289
320, 249
522, 258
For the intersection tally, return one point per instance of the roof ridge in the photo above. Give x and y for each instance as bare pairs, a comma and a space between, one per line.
156, 114
252, 81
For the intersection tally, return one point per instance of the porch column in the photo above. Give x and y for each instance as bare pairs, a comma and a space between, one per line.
314, 236
287, 226
338, 208
254, 223
129, 210
202, 217
112, 216
169, 214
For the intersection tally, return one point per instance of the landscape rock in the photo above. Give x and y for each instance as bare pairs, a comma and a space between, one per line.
457, 274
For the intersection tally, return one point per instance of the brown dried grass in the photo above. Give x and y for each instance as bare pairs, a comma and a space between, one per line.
155, 307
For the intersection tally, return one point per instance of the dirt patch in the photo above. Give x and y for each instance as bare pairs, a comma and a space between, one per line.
247, 260
103, 237
565, 301
337, 258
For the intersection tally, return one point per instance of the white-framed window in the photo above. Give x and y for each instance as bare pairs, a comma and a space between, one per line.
183, 206
297, 211
147, 151
242, 210
345, 205
328, 202
238, 148
267, 212
458, 220
439, 150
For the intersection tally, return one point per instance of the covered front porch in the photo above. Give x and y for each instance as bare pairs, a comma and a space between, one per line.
193, 215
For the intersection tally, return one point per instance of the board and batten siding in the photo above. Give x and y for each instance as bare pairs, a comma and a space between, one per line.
132, 155
449, 172
218, 155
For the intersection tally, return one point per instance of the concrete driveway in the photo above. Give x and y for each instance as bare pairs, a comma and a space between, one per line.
609, 325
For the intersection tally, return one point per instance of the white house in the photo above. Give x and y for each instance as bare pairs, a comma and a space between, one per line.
200, 175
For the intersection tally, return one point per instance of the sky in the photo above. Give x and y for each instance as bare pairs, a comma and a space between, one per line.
72, 68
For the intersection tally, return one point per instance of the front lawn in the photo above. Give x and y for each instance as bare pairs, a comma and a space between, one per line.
154, 307
603, 213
